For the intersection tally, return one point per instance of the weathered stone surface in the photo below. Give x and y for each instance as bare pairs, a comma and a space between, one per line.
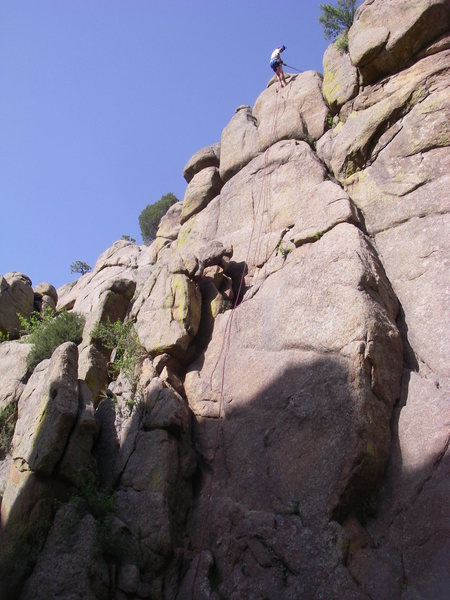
107, 446
328, 205
310, 485
77, 459
13, 371
167, 411
297, 112
93, 369
113, 279
386, 34
275, 401
16, 296
5, 466
121, 254
239, 142
202, 189
390, 150
47, 411
340, 77
258, 205
146, 486
409, 168
47, 304
419, 249
47, 289
106, 295
407, 544
169, 225
350, 147
167, 313
64, 569
208, 156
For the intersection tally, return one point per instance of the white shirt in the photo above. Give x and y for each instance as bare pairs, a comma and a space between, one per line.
275, 54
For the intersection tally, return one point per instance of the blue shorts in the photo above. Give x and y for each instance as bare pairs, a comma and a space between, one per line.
275, 63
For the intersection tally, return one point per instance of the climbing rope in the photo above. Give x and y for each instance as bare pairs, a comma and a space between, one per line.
264, 202
293, 68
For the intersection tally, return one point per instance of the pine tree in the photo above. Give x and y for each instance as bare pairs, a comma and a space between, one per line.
151, 216
337, 19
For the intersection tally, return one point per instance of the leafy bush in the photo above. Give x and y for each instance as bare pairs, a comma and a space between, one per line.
337, 19
4, 337
152, 214
122, 338
8, 418
47, 332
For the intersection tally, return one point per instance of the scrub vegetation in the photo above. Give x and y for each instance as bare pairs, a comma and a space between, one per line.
48, 331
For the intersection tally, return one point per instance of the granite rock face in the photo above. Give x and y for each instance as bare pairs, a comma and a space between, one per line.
13, 371
284, 431
386, 34
16, 296
340, 77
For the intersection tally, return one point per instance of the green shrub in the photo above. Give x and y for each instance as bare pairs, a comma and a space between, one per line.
8, 418
4, 337
282, 249
152, 214
47, 332
123, 338
342, 42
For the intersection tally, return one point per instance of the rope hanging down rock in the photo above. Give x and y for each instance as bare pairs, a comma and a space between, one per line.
264, 202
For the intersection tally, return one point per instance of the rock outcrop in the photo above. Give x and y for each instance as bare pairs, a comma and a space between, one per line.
283, 430
16, 298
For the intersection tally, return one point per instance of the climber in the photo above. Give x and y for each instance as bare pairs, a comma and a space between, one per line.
276, 64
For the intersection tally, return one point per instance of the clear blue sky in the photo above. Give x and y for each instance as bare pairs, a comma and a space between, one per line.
103, 102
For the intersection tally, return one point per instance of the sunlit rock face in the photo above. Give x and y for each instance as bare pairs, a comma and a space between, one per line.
283, 432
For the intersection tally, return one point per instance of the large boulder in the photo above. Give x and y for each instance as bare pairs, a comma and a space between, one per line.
239, 142
13, 371
373, 116
101, 296
386, 34
48, 409
115, 271
47, 412
16, 297
265, 199
390, 151
292, 409
340, 77
296, 112
77, 459
169, 225
167, 312
65, 567
93, 369
201, 190
47, 289
205, 157
419, 250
